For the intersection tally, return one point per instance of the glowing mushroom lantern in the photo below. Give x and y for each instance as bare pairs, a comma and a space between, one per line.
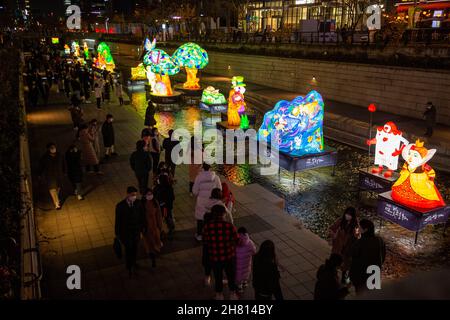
164, 66
192, 57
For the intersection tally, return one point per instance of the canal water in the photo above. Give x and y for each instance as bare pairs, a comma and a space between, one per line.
317, 198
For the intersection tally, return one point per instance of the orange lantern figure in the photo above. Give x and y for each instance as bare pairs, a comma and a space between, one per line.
415, 188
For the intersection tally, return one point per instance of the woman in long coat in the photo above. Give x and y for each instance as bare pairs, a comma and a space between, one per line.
88, 155
93, 131
343, 233
152, 237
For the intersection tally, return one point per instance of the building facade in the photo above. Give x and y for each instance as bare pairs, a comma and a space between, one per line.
292, 14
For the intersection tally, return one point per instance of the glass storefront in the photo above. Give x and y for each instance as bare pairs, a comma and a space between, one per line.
288, 14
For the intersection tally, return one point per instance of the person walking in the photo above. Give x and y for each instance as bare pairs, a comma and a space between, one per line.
166, 197
67, 85
343, 233
266, 276
98, 95
74, 170
149, 119
194, 167
107, 91
206, 262
221, 238
369, 250
93, 131
130, 222
228, 198
430, 118
152, 236
119, 92
217, 198
77, 117
245, 250
51, 172
155, 149
141, 164
205, 182
328, 286
88, 156
168, 145
108, 136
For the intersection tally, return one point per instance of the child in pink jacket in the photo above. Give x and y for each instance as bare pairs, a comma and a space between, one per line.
245, 250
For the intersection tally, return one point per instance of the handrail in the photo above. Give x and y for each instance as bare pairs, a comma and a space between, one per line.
30, 254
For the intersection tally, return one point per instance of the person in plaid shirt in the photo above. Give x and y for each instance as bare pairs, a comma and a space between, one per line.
221, 238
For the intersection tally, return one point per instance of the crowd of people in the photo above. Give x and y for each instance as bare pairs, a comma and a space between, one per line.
46, 68
146, 213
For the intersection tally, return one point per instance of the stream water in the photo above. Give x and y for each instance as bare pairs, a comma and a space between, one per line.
317, 198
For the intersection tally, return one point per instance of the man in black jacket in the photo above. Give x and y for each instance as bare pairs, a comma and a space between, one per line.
108, 136
141, 163
430, 118
51, 172
367, 251
130, 222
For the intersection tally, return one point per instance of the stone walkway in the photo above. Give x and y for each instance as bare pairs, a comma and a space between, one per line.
83, 231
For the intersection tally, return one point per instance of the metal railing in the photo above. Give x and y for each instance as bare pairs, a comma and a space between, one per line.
31, 273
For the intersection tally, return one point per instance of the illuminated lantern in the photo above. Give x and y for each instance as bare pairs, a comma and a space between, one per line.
415, 187
147, 62
66, 49
245, 123
164, 66
104, 58
138, 73
387, 148
192, 57
236, 101
75, 48
296, 125
161, 89
372, 107
211, 96
86, 50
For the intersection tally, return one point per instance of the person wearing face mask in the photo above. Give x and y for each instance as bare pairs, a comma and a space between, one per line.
327, 285
129, 224
51, 172
108, 136
343, 234
141, 163
74, 169
152, 238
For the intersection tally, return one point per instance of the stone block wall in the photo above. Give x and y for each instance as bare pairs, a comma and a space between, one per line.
398, 90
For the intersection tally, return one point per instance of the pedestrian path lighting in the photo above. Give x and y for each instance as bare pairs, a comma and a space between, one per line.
192, 58
297, 125
104, 58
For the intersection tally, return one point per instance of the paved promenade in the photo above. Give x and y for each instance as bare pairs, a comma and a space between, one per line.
82, 232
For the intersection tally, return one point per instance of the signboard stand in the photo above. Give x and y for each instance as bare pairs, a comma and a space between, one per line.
413, 219
374, 182
327, 158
